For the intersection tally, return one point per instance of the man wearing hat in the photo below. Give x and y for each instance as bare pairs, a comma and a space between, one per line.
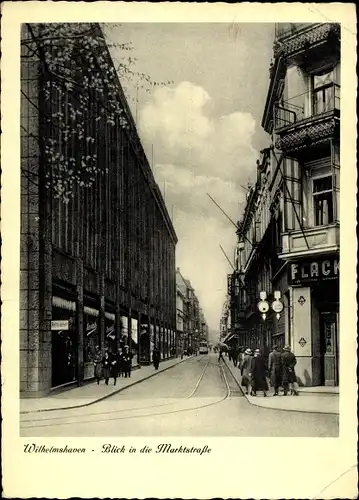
289, 378
127, 361
275, 369
246, 369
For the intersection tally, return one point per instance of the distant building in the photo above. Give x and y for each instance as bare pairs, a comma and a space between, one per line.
191, 322
289, 234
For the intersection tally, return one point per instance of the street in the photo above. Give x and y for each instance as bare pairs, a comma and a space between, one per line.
198, 397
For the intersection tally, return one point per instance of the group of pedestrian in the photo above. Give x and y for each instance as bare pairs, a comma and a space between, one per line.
113, 364
281, 371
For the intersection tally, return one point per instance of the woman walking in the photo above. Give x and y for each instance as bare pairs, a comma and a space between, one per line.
258, 374
246, 369
106, 367
289, 377
98, 364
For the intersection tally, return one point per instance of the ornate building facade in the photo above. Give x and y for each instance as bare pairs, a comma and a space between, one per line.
289, 234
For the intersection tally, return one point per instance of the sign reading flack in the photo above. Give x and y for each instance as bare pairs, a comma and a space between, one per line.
325, 268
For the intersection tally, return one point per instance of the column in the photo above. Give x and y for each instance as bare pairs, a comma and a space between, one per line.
302, 341
102, 323
80, 320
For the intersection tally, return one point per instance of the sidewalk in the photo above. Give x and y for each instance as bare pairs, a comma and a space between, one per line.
92, 393
310, 400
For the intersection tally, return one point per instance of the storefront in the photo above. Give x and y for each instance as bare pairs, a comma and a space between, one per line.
315, 320
92, 336
110, 330
64, 338
134, 340
144, 344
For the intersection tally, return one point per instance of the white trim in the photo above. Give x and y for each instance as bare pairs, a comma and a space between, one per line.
91, 311
110, 316
63, 303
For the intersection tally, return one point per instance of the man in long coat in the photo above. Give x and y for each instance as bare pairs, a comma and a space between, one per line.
156, 356
246, 369
289, 377
127, 361
275, 369
258, 374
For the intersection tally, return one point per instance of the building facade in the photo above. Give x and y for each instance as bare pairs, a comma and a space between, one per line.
98, 263
289, 234
191, 323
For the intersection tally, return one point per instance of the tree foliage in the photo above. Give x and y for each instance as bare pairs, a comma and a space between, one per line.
80, 99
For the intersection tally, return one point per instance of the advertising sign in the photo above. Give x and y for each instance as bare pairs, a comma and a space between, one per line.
60, 325
313, 271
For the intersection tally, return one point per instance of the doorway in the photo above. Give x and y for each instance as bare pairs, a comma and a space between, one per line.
329, 348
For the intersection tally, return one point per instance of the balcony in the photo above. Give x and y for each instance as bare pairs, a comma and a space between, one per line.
320, 239
307, 119
302, 43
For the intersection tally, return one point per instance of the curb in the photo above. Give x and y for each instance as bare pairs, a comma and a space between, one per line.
106, 396
278, 409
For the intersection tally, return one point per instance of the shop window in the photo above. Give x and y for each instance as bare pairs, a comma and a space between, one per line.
323, 200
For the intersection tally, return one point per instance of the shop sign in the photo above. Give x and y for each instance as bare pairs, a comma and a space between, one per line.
313, 271
60, 324
229, 284
277, 306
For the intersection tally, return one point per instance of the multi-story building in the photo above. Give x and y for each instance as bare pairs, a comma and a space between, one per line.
182, 332
97, 268
289, 235
191, 322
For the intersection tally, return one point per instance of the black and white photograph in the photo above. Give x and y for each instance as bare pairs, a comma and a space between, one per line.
180, 230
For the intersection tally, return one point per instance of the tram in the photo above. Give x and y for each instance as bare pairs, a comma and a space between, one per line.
203, 347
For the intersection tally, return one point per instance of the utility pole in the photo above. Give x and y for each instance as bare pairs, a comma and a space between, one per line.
226, 256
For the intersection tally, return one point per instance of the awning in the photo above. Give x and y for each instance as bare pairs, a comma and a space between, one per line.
230, 337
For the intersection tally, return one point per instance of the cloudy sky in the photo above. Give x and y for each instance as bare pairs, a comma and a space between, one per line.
205, 132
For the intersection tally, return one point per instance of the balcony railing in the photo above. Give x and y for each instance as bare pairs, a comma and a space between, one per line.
307, 105
289, 29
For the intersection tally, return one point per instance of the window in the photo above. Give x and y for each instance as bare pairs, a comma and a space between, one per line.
323, 200
323, 92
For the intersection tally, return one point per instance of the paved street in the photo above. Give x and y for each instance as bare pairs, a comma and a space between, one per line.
195, 398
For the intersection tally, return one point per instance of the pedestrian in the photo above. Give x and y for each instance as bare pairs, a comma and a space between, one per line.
230, 353
258, 374
289, 377
246, 369
98, 364
113, 367
235, 354
275, 369
221, 351
106, 366
119, 360
156, 356
127, 361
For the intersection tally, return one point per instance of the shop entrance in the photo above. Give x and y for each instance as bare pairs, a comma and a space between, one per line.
64, 347
329, 348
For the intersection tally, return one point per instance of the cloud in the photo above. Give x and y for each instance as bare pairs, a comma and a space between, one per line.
198, 152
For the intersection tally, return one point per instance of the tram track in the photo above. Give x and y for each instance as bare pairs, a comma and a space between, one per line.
61, 420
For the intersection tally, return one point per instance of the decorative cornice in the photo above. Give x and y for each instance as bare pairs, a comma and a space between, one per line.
303, 40
307, 136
